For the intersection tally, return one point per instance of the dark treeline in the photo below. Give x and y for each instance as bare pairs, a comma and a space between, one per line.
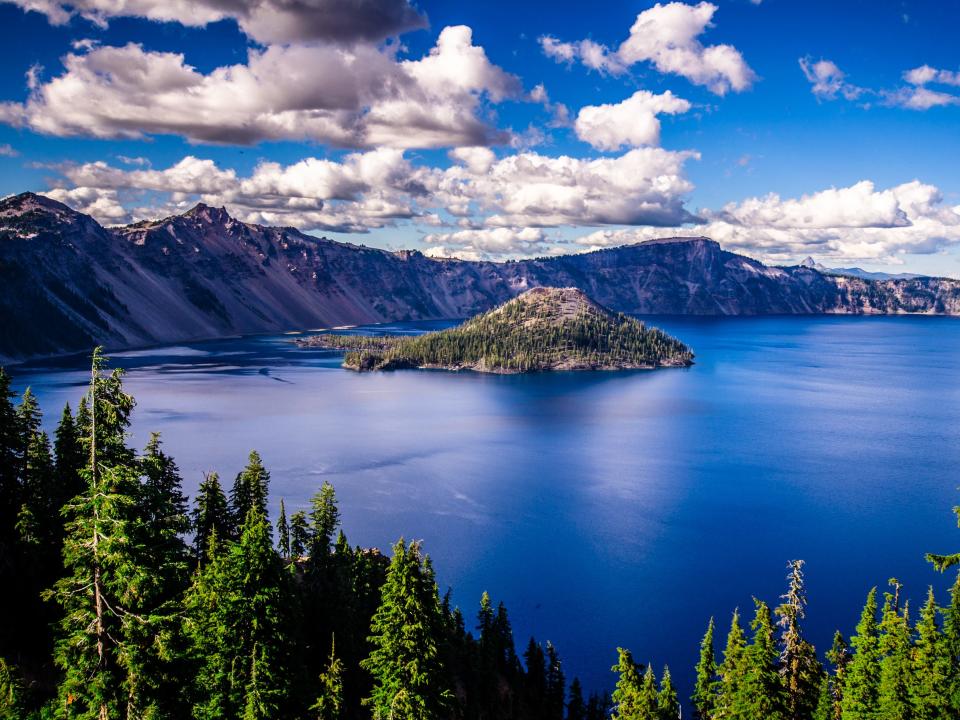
122, 601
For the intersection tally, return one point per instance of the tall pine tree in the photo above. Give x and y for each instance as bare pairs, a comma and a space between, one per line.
799, 666
861, 688
705, 687
409, 680
211, 515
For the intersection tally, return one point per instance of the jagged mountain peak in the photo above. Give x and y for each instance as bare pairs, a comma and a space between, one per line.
208, 214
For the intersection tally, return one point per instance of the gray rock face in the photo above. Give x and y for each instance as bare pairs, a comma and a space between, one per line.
67, 283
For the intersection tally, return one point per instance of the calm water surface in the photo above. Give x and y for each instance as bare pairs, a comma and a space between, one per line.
605, 509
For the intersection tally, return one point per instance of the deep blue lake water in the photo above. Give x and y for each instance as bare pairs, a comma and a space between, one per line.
605, 509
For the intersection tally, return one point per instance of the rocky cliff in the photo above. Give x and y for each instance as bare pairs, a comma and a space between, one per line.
67, 283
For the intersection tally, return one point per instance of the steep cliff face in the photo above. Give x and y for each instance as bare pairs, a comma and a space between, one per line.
66, 283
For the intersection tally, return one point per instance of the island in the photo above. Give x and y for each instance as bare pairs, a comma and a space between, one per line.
542, 329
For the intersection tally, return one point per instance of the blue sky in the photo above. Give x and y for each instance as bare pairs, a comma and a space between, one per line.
502, 129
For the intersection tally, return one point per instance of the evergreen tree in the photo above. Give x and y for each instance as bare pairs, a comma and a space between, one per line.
942, 563
825, 701
861, 687
11, 447
626, 695
555, 685
69, 457
668, 704
39, 524
648, 707
96, 649
162, 511
839, 656
799, 667
704, 690
893, 701
406, 633
299, 535
930, 686
599, 706
283, 532
535, 679
951, 640
329, 704
250, 490
731, 672
237, 625
762, 695
163, 507
211, 515
324, 520
576, 707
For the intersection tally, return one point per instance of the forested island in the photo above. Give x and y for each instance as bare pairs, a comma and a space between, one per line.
541, 330
122, 601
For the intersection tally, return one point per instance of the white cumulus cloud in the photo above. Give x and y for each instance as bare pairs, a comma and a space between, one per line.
632, 122
666, 36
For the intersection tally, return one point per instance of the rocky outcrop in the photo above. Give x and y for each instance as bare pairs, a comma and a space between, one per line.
66, 283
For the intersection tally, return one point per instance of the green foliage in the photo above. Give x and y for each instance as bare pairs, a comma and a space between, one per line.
799, 667
237, 625
250, 490
762, 695
627, 701
250, 638
668, 704
11, 693
211, 515
528, 334
299, 534
732, 672
862, 685
283, 532
408, 678
839, 656
704, 691
324, 521
931, 669
329, 704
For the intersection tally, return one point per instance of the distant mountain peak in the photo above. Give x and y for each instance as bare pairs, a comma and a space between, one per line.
208, 214
28, 201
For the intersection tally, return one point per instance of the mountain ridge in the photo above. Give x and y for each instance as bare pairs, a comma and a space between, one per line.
67, 283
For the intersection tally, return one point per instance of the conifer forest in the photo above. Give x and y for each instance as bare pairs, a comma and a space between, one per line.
123, 598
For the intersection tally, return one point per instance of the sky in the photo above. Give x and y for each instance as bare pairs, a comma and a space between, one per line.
501, 130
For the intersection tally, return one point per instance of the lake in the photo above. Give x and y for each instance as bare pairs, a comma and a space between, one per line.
604, 509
